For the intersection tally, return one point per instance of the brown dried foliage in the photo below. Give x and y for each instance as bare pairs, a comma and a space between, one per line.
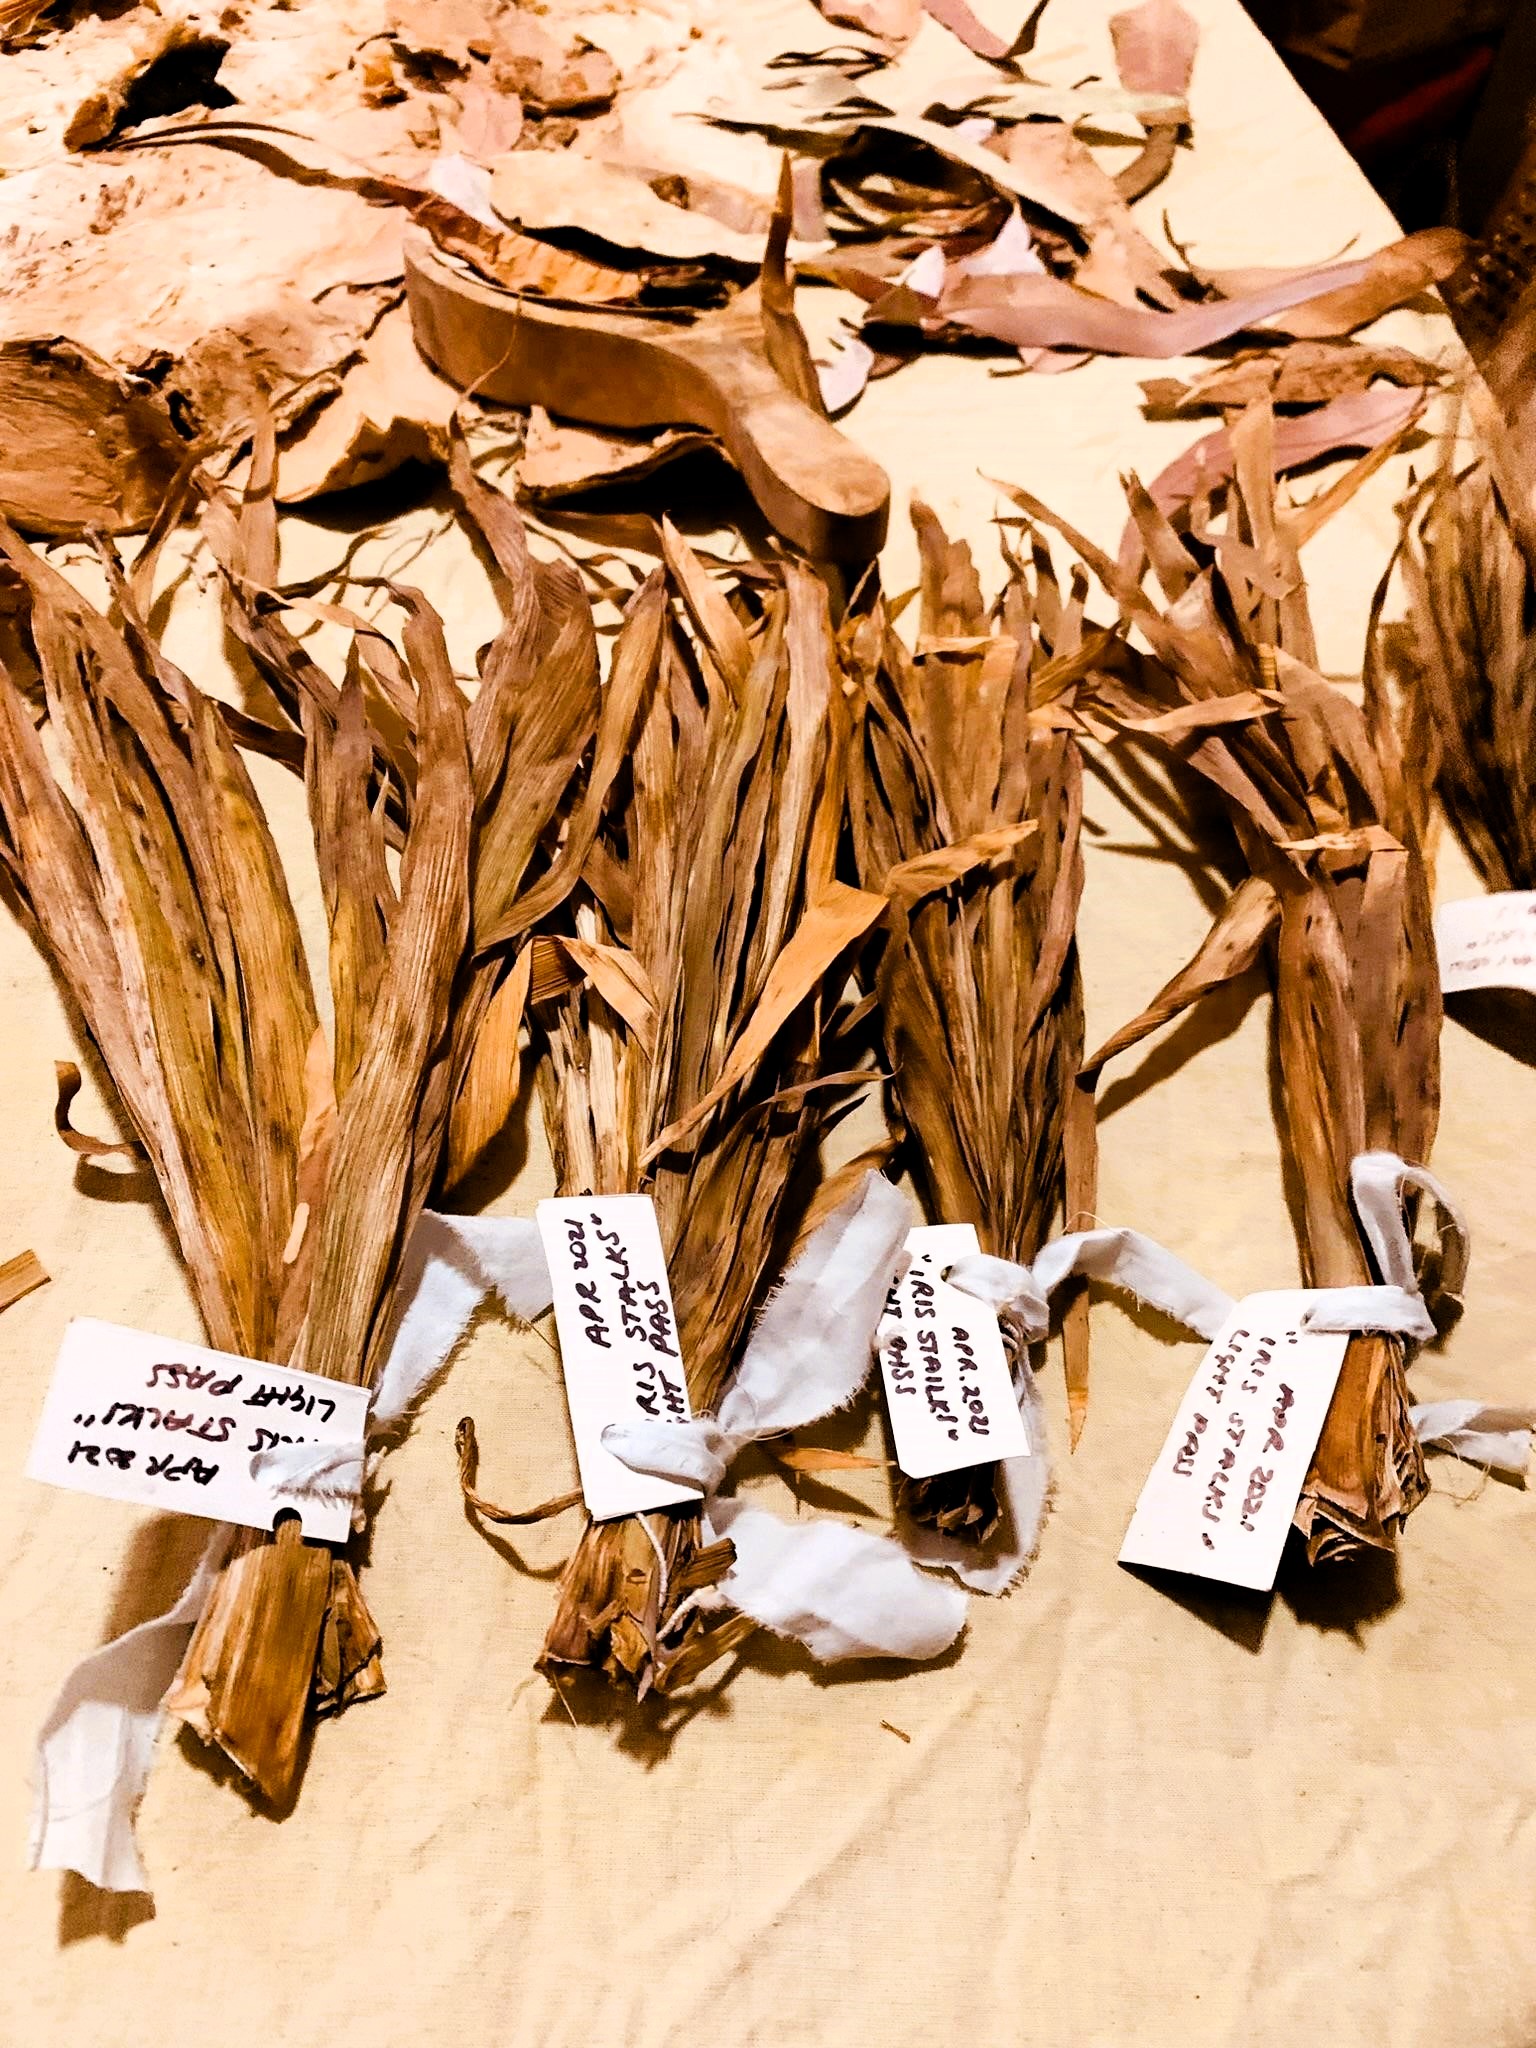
966, 802
1467, 651
692, 1061
1335, 899
293, 1171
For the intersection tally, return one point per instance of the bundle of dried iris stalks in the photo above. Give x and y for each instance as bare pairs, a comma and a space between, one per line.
1466, 653
692, 1059
293, 1170
1335, 898
966, 802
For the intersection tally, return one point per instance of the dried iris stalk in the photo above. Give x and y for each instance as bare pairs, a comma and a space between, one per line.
1335, 900
966, 802
293, 1169
1467, 651
691, 1062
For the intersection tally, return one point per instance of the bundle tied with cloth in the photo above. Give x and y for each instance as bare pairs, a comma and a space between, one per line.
1334, 899
965, 802
294, 1163
696, 1049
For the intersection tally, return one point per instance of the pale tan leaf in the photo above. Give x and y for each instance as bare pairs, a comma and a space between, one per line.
828, 929
809, 1458
621, 981
911, 880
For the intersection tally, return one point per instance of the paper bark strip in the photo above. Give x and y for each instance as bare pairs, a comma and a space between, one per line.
1042, 312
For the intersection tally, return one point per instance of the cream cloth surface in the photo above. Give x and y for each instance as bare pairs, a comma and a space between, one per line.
1119, 1813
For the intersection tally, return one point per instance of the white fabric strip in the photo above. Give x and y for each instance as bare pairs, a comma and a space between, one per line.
839, 1590
1023, 1489
1377, 1183
453, 1263
95, 1749
1498, 1438
1119, 1258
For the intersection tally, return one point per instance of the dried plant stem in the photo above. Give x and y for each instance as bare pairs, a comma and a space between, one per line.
1467, 652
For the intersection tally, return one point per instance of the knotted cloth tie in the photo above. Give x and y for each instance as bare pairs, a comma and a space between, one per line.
841, 1591
1119, 1258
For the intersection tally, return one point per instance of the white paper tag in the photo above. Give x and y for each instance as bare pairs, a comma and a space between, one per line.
618, 1341
1220, 1498
1487, 942
947, 1384
169, 1425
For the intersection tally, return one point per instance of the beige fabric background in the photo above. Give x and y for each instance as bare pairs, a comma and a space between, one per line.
1123, 1816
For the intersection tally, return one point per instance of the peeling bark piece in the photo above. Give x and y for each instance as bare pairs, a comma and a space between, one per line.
1363, 420
891, 23
456, 31
522, 263
88, 243
489, 122
152, 37
1047, 312
1064, 177
563, 461
390, 408
1300, 373
963, 24
1155, 47
548, 76
543, 191
279, 363
84, 445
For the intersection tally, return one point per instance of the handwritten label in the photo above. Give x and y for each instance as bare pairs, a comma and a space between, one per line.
1220, 1498
947, 1384
618, 1341
169, 1425
1487, 942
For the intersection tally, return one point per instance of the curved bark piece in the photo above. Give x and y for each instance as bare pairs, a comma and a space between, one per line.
67, 1074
